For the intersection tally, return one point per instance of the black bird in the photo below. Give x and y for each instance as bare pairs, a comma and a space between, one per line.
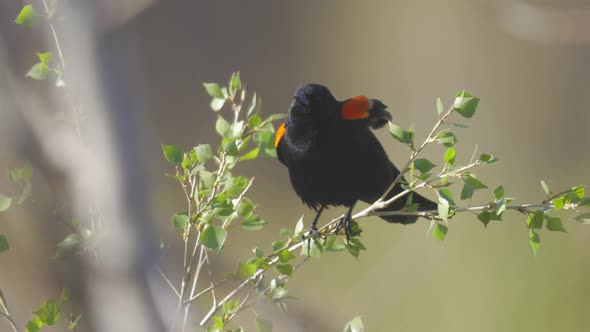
333, 157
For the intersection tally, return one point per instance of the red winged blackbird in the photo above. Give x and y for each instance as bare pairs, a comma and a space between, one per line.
333, 157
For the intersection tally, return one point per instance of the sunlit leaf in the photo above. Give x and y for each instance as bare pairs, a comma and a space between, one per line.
172, 153
465, 104
48, 312
355, 325
27, 16
213, 237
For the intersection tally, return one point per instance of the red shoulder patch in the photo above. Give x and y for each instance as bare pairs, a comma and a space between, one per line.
356, 108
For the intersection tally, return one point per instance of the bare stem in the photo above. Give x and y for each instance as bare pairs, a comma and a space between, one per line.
6, 314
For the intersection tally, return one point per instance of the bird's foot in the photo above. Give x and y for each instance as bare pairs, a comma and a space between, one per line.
313, 233
345, 222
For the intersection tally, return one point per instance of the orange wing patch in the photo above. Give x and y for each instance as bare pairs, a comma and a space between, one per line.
280, 133
356, 108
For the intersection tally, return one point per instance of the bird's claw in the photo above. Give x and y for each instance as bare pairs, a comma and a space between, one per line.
313, 232
345, 222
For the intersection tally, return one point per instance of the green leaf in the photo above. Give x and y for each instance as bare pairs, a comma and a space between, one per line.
254, 121
27, 16
39, 71
298, 227
467, 192
204, 153
45, 58
34, 325
315, 248
213, 237
332, 244
207, 179
401, 135
471, 180
180, 222
485, 217
229, 146
222, 126
534, 241
245, 207
258, 252
263, 325
245, 271
450, 156
235, 83
235, 185
443, 208
465, 104
459, 125
446, 194
583, 218
423, 165
217, 104
173, 153
446, 138
535, 220
439, 107
253, 223
4, 246
67, 246
48, 312
559, 203
267, 144
439, 231
355, 325
546, 188
214, 90
487, 158
285, 255
554, 224
286, 269
499, 192
250, 155
276, 245
252, 106
5, 202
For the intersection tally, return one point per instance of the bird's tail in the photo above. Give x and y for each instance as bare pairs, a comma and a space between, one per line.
424, 204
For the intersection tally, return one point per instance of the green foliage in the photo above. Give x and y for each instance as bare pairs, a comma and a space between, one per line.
213, 237
439, 231
355, 325
27, 16
403, 136
465, 104
172, 153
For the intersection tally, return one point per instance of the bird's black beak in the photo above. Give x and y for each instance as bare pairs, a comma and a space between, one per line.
378, 115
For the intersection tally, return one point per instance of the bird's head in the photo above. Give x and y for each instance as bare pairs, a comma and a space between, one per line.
313, 101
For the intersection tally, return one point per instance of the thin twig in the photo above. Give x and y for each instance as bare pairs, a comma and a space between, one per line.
8, 317
57, 45
167, 281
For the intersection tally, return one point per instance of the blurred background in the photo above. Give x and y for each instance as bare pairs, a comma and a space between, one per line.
528, 61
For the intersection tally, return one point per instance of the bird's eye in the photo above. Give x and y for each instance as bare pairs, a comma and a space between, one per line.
302, 99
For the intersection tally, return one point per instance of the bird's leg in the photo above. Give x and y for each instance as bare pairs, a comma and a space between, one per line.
313, 229
345, 221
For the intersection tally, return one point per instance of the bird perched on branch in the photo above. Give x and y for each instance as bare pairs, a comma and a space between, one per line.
333, 157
